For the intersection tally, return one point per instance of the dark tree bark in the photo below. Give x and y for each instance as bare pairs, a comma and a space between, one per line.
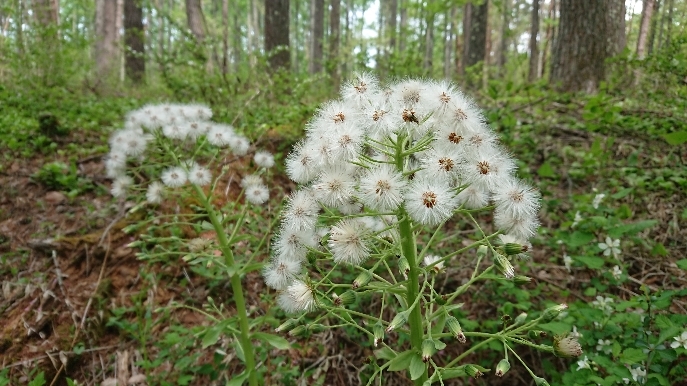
580, 48
615, 25
134, 57
277, 33
46, 12
654, 25
429, 42
669, 29
475, 21
534, 47
317, 35
334, 38
194, 18
505, 32
644, 25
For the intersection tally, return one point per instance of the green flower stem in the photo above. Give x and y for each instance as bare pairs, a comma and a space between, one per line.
469, 351
410, 253
521, 361
462, 289
239, 300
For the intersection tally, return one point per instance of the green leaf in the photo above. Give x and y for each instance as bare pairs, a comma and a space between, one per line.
439, 345
631, 229
659, 250
676, 138
39, 380
385, 353
622, 193
239, 350
274, 340
417, 367
211, 336
239, 379
632, 356
682, 264
660, 378
450, 373
557, 328
663, 322
546, 171
592, 262
579, 238
402, 361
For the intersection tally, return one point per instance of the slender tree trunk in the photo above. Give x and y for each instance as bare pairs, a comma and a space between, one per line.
642, 39
134, 56
475, 33
334, 38
317, 35
534, 47
427, 63
654, 25
505, 32
20, 28
550, 36
580, 49
403, 26
277, 33
236, 46
225, 36
106, 47
615, 24
669, 30
449, 36
194, 19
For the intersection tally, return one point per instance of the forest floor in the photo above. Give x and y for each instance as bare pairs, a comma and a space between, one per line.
77, 302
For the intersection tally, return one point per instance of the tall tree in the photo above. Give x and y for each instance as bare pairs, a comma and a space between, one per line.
195, 20
644, 25
106, 46
653, 27
316, 35
46, 12
277, 33
429, 39
505, 33
475, 21
334, 38
615, 22
580, 49
134, 57
534, 47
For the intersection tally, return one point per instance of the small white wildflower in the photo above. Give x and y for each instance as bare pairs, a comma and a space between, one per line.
264, 159
115, 163
604, 304
576, 220
301, 211
174, 177
257, 194
567, 261
616, 272
220, 135
680, 340
521, 227
348, 242
199, 175
604, 346
638, 375
433, 260
251, 180
516, 198
175, 131
610, 247
120, 186
334, 186
239, 145
429, 202
359, 90
597, 200
301, 165
195, 129
281, 272
473, 197
297, 297
293, 244
154, 193
584, 364
381, 188
575, 334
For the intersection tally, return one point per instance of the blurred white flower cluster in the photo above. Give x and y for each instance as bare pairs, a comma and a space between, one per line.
185, 128
416, 148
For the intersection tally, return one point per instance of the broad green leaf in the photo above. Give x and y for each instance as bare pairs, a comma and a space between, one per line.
660, 378
631, 229
663, 322
439, 345
445, 374
579, 238
402, 361
676, 138
592, 262
274, 340
632, 356
622, 193
682, 264
239, 379
39, 380
211, 336
545, 170
385, 353
557, 328
659, 250
417, 367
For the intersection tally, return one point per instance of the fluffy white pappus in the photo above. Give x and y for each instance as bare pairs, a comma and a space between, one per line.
434, 262
239, 145
517, 198
297, 297
199, 175
196, 129
293, 244
347, 142
473, 197
378, 120
330, 116
350, 206
115, 163
462, 113
257, 194
437, 97
194, 112
334, 186
430, 202
441, 162
251, 180
319, 149
407, 93
279, 273
135, 120
382, 188
301, 165
521, 227
348, 242
361, 89
120, 186
264, 159
220, 135
301, 211
176, 130
174, 177
154, 193
136, 143
488, 169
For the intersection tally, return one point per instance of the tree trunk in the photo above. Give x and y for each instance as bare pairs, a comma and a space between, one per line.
475, 33
334, 38
194, 19
580, 49
225, 36
403, 30
615, 27
534, 47
106, 46
505, 32
449, 30
46, 12
429, 41
134, 56
317, 35
669, 29
654, 24
642, 39
277, 33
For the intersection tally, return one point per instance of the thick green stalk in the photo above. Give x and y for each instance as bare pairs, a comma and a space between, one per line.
239, 300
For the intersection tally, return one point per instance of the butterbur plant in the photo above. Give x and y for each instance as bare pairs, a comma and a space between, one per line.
166, 155
383, 172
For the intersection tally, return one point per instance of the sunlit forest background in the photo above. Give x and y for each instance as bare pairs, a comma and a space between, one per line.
590, 96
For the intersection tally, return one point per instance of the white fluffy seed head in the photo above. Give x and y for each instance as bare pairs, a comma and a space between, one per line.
430, 202
257, 194
263, 159
154, 193
174, 177
281, 272
297, 297
516, 198
348, 242
220, 135
381, 188
301, 211
199, 175
120, 186
334, 186
239, 145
